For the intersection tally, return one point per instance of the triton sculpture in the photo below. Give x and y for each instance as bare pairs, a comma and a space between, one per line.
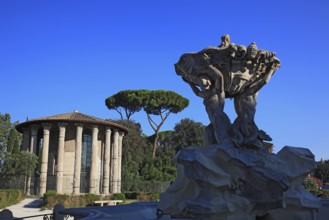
234, 177
230, 71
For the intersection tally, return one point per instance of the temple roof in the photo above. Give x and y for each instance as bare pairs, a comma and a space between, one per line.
75, 117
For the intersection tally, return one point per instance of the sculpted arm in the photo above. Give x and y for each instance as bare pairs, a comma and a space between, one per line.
196, 90
219, 78
219, 83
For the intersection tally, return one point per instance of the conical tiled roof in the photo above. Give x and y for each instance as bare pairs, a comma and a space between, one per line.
75, 117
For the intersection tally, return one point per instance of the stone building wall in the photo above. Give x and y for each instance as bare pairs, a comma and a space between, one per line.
62, 152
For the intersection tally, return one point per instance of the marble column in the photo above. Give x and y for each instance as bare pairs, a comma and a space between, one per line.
60, 158
33, 150
93, 166
77, 161
26, 139
121, 134
107, 156
44, 159
33, 141
115, 163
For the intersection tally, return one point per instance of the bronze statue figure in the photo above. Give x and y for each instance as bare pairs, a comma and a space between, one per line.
229, 71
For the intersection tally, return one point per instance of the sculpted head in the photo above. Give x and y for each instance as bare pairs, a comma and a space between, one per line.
252, 50
225, 40
204, 82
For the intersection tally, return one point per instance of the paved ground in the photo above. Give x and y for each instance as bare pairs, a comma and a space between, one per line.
28, 207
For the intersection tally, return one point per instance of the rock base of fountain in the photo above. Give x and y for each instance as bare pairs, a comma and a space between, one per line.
223, 182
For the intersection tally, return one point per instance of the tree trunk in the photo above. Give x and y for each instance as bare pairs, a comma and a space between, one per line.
25, 184
155, 144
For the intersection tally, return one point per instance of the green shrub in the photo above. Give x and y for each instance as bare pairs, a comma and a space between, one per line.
49, 193
148, 197
325, 193
310, 185
51, 198
10, 197
118, 196
321, 193
91, 198
154, 197
131, 195
143, 197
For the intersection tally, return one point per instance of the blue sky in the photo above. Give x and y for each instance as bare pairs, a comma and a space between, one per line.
57, 56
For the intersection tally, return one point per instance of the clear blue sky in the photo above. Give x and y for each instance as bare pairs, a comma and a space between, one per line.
57, 56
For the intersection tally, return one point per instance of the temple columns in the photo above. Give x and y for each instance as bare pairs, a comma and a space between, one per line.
33, 141
77, 161
115, 163
26, 139
121, 134
60, 158
93, 166
44, 160
107, 155
111, 166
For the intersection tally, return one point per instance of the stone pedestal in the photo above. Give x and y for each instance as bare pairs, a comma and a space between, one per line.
223, 182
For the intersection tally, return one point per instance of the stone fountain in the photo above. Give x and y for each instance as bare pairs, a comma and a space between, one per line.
234, 176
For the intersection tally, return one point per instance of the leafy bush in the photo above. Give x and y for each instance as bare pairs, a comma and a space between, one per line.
131, 195
325, 193
118, 196
310, 184
10, 197
51, 198
148, 197
321, 193
49, 193
143, 197
154, 196
91, 198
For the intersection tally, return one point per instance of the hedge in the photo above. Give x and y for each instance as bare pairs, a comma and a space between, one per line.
10, 197
51, 198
